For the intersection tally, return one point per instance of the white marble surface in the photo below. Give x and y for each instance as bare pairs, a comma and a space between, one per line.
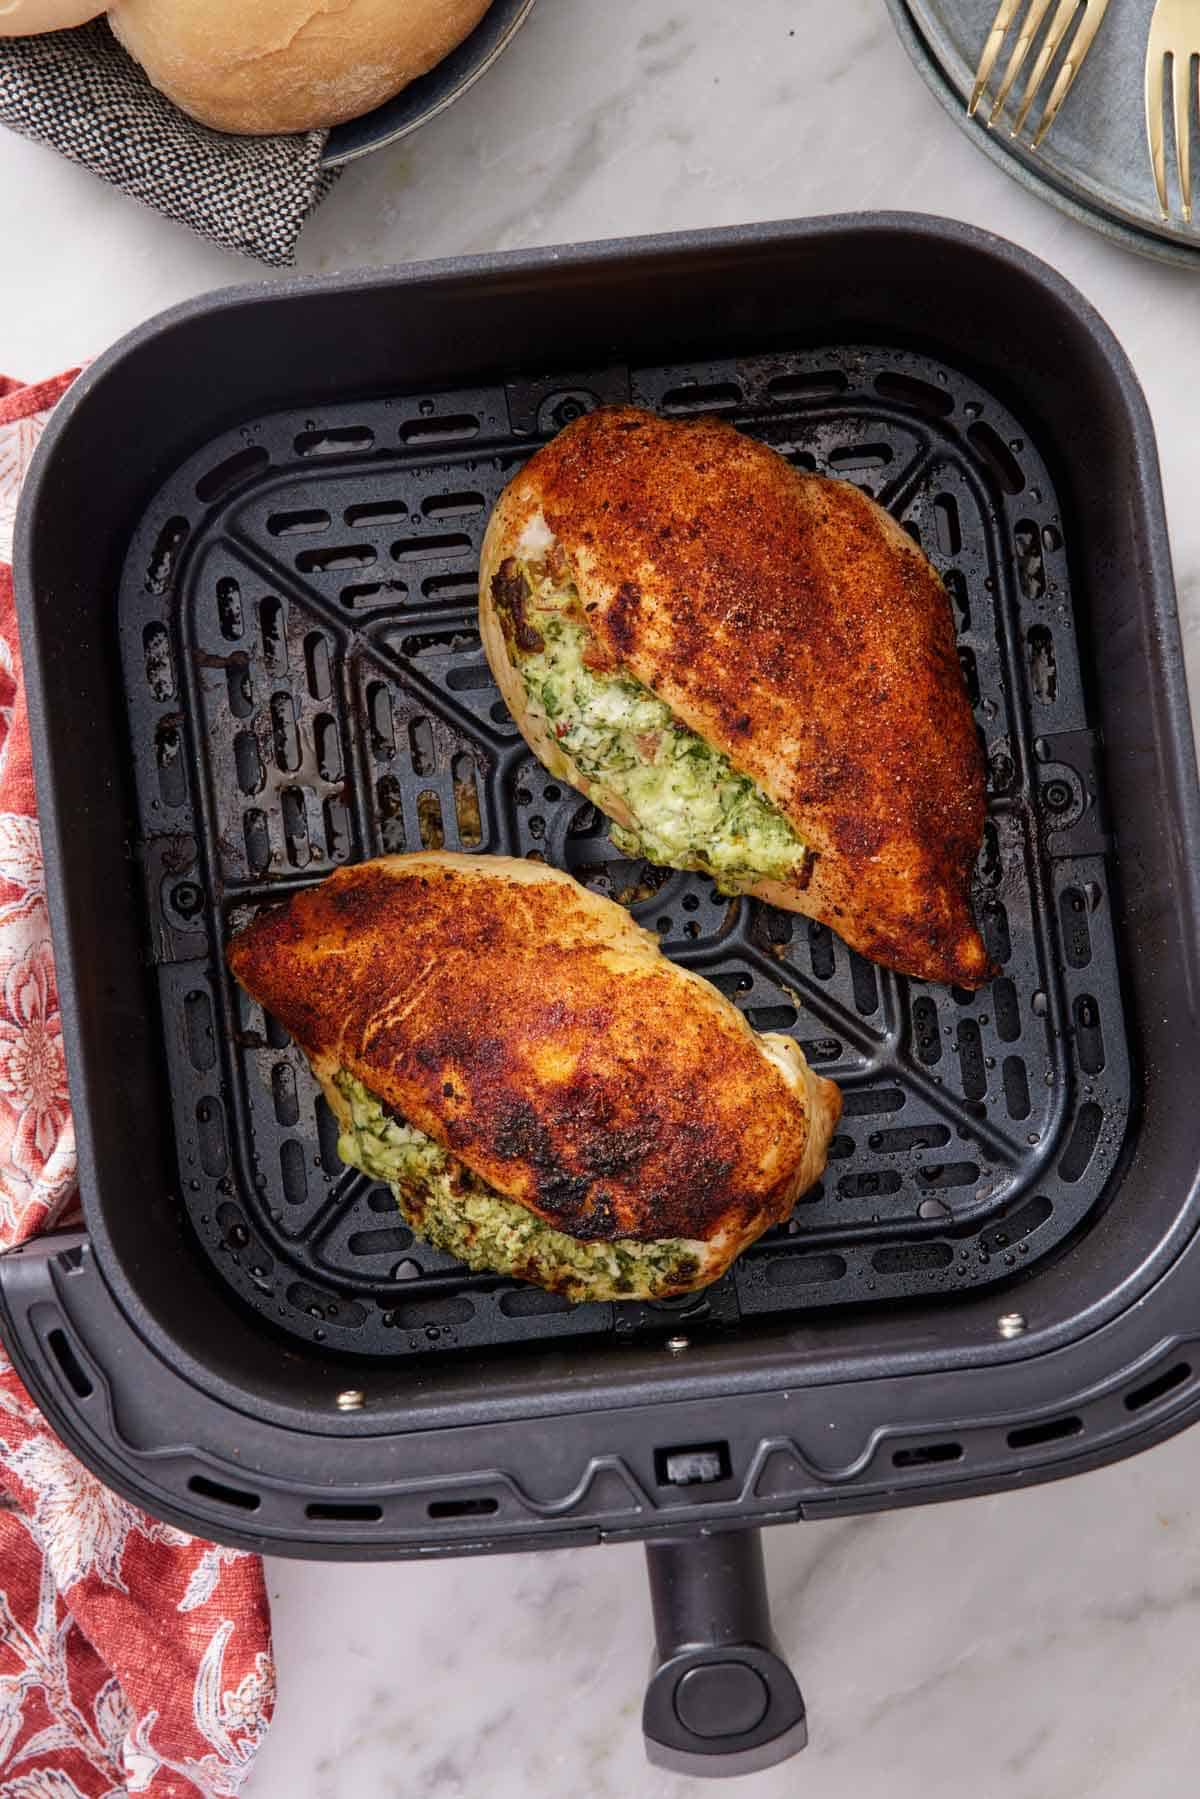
1043, 1645
1040, 1646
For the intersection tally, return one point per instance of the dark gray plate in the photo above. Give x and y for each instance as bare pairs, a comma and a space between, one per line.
422, 99
1094, 164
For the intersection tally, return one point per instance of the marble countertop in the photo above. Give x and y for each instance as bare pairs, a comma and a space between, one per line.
1034, 1646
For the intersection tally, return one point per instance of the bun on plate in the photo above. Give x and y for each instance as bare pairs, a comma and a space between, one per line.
253, 66
26, 18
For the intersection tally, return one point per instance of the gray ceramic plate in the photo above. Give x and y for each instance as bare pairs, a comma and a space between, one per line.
1094, 163
422, 99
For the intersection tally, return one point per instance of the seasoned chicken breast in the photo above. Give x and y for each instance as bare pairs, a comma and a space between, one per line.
548, 1096
753, 671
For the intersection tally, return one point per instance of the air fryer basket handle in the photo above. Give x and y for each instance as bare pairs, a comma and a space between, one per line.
721, 1698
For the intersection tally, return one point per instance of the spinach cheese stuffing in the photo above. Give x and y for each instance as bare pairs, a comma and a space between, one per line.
449, 1206
690, 808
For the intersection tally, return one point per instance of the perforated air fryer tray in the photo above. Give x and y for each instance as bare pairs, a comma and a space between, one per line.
305, 687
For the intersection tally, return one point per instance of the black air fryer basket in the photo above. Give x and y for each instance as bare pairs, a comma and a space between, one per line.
246, 571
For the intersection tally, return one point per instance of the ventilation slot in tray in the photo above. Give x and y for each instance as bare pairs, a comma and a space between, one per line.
923, 1454
1158, 1388
463, 1508
1035, 1436
74, 1372
239, 1498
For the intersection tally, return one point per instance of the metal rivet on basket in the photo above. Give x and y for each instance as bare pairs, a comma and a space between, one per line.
1012, 1324
352, 1400
677, 1345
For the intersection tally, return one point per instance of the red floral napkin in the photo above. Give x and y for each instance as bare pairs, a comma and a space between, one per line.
133, 1658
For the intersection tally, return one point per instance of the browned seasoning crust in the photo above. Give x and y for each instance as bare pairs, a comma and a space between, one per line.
533, 1029
789, 621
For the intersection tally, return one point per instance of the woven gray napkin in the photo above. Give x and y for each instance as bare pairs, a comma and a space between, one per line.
81, 93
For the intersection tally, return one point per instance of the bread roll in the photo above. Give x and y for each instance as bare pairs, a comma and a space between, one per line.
26, 18
288, 65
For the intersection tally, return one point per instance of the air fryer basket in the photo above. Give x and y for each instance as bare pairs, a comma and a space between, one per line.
253, 656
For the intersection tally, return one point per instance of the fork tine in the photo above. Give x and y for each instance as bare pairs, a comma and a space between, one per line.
1081, 43
1067, 10
1156, 69
1005, 13
1181, 82
1028, 31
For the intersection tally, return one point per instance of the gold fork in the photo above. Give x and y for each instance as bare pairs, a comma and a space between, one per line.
1036, 10
1174, 33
